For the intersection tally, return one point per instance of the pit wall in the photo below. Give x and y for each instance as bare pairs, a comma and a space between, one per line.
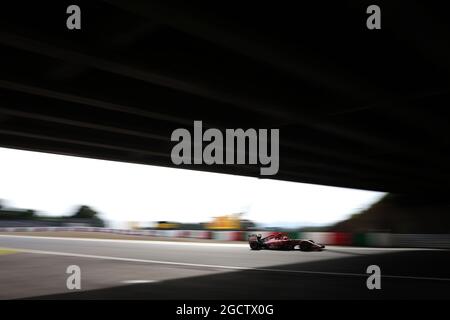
327, 238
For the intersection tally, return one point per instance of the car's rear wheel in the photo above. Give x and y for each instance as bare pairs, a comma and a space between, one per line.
255, 246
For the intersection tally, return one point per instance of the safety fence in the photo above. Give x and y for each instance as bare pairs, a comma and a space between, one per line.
373, 239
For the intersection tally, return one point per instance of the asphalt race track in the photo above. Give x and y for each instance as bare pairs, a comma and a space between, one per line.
35, 267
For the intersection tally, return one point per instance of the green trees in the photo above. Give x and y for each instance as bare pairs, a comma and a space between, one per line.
86, 212
83, 215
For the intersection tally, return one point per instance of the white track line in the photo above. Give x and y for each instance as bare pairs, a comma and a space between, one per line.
138, 281
236, 268
176, 243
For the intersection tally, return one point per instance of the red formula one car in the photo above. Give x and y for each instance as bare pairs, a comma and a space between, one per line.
281, 241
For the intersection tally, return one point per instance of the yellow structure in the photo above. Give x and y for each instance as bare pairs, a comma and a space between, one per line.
227, 222
167, 225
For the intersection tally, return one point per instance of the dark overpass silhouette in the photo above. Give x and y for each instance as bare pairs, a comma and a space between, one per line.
355, 107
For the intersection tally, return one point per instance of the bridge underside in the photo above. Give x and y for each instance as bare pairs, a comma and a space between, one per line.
355, 107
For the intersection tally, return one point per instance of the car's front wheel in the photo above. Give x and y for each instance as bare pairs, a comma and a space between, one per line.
305, 246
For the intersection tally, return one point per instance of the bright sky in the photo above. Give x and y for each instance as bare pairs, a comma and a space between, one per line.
55, 184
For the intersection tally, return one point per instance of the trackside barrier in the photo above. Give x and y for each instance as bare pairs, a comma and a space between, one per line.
294, 235
359, 239
183, 233
379, 240
341, 238
319, 237
374, 239
421, 240
228, 235
196, 234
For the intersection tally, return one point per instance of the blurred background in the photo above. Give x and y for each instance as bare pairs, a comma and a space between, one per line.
146, 232
44, 190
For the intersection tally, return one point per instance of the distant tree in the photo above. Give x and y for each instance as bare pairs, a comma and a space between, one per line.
29, 214
84, 212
